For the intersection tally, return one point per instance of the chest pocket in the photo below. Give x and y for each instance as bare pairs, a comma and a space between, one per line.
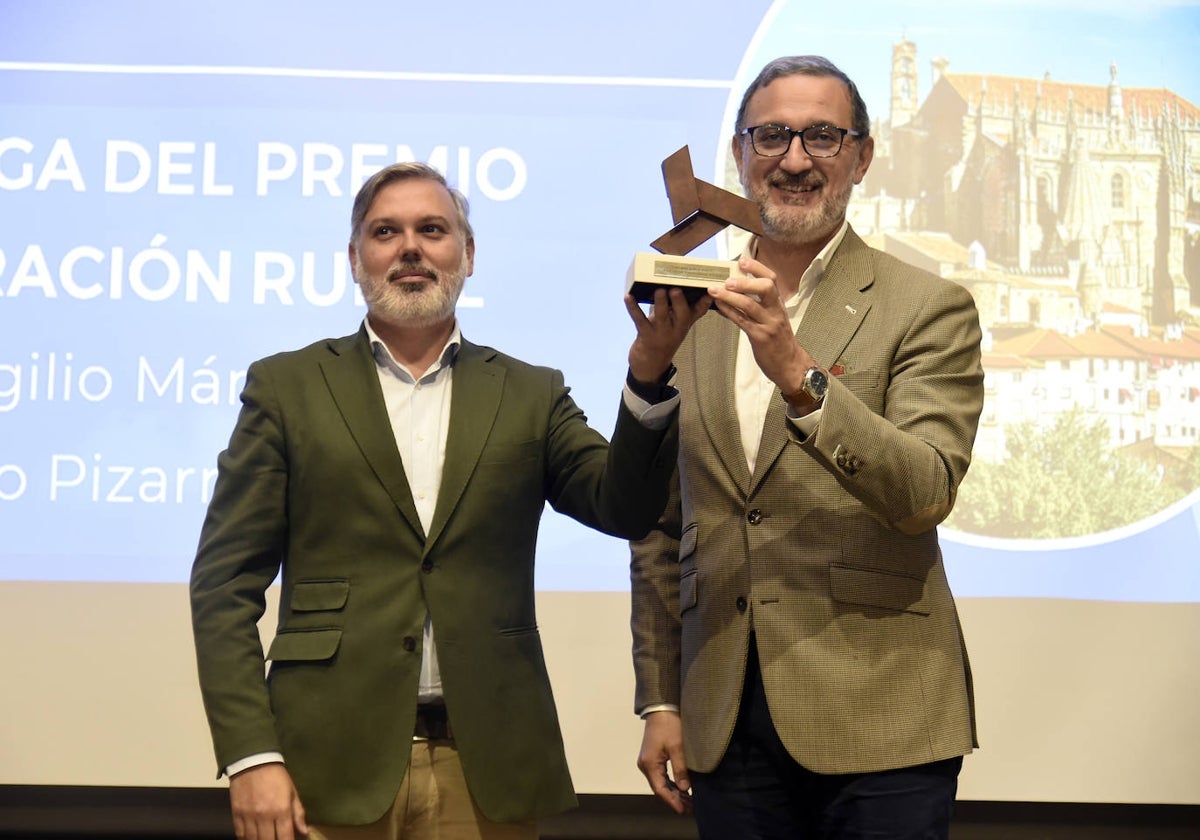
319, 595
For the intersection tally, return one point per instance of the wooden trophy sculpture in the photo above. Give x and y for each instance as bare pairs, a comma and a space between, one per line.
700, 211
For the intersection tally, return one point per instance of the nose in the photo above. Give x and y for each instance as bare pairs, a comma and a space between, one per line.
408, 246
795, 159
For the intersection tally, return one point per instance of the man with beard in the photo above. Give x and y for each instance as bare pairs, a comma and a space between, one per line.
396, 477
799, 662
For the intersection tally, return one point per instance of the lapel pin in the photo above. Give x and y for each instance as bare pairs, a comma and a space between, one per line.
851, 309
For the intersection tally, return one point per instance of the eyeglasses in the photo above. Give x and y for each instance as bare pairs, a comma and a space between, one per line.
821, 140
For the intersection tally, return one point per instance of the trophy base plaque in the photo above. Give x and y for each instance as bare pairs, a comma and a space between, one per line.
693, 275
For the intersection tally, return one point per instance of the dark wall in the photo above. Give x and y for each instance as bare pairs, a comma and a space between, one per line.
81, 813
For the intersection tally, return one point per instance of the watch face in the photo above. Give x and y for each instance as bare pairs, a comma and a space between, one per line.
816, 383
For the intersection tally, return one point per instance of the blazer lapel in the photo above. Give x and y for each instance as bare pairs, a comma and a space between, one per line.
837, 309
716, 342
353, 381
474, 403
840, 302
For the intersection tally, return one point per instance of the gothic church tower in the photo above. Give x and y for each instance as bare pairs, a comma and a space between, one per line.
904, 83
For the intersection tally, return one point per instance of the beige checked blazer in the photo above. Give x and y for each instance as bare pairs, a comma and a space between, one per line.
829, 551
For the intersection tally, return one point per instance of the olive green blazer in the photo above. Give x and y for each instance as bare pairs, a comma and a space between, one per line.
828, 552
312, 485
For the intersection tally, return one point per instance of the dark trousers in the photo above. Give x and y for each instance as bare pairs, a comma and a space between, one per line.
759, 792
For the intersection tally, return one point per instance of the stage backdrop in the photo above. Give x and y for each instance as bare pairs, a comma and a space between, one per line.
175, 186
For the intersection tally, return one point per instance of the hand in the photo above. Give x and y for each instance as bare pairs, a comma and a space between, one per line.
662, 747
660, 334
754, 305
265, 804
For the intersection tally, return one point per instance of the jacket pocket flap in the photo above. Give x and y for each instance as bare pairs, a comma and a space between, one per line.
305, 645
687, 542
687, 587
310, 595
876, 588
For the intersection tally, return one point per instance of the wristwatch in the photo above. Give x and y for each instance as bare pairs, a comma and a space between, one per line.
816, 383
813, 388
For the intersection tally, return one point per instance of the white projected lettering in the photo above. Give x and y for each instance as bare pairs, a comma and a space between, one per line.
173, 169
57, 164
203, 385
500, 174
190, 168
55, 378
12, 482
276, 275
76, 478
170, 270
52, 379
152, 274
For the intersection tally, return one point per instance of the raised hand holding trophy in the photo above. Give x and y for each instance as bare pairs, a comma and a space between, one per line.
700, 211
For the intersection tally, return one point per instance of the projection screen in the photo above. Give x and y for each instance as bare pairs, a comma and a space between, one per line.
175, 189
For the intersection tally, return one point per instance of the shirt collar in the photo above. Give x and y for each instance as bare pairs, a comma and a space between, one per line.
385, 359
815, 270
826, 254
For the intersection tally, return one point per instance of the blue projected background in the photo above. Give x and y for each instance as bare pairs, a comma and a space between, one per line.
175, 188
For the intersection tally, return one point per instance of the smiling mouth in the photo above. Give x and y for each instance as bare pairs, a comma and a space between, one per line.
410, 275
798, 187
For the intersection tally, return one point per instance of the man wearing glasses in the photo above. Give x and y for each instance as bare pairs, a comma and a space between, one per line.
799, 660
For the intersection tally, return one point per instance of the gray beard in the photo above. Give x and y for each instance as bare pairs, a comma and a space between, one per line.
784, 224
410, 306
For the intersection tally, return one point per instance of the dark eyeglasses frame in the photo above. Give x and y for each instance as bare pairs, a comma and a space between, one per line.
793, 133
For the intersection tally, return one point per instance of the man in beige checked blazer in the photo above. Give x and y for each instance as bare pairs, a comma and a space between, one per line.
799, 660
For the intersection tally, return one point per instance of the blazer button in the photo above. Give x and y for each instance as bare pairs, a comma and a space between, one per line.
755, 517
409, 643
741, 603
427, 566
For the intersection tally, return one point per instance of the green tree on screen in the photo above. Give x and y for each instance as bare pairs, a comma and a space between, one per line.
1060, 482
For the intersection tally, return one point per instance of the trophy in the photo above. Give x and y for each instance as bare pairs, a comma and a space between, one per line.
700, 211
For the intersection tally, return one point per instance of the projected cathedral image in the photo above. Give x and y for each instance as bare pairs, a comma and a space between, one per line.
1071, 211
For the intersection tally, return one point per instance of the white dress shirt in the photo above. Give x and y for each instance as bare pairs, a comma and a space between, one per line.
752, 389
419, 413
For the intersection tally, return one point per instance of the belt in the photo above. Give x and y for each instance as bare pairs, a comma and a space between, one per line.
432, 723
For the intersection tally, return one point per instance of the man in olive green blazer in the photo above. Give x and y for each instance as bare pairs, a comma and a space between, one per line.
317, 482
798, 653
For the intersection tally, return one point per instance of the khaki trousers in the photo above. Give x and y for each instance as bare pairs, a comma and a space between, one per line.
433, 803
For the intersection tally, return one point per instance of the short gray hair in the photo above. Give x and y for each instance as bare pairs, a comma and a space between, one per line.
403, 172
806, 65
